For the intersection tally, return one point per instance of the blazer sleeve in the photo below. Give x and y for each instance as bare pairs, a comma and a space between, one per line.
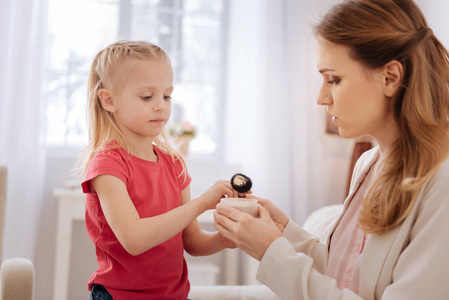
292, 275
303, 241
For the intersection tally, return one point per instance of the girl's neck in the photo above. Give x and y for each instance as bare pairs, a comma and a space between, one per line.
143, 149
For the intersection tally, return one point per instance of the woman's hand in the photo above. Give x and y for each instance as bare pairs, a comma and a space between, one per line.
213, 195
250, 234
278, 216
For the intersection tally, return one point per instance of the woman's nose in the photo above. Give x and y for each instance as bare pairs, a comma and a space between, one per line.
324, 97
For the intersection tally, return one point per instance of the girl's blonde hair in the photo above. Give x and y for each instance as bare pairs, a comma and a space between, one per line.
377, 32
107, 72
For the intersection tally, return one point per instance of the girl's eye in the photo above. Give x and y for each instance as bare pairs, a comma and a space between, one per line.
146, 97
168, 98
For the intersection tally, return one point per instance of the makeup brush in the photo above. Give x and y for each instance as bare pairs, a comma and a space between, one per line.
241, 183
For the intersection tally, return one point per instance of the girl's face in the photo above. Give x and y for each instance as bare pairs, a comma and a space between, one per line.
354, 95
144, 105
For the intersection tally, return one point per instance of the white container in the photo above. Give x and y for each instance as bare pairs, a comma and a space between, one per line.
247, 205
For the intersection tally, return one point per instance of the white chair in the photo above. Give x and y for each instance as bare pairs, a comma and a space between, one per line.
16, 274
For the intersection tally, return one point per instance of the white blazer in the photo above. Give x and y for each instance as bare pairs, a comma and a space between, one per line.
409, 262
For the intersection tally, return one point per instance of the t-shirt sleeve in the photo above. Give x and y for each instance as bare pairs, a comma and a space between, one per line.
105, 163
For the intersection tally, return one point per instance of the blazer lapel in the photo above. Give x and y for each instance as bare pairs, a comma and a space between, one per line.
353, 189
374, 255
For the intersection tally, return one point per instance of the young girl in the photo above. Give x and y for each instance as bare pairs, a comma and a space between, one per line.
385, 75
138, 209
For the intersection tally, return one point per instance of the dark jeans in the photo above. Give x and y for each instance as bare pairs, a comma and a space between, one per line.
99, 292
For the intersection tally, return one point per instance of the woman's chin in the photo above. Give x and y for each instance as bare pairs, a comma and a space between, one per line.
347, 134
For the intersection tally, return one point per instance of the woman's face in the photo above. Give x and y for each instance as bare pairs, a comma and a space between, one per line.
354, 95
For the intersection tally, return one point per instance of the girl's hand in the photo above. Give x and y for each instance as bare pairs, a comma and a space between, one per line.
250, 234
227, 243
278, 216
213, 195
236, 194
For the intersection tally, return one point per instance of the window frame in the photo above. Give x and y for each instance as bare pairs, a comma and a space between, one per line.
74, 151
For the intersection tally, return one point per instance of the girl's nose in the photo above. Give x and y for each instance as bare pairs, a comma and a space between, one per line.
159, 105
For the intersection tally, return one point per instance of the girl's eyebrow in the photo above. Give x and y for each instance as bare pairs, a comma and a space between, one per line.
153, 88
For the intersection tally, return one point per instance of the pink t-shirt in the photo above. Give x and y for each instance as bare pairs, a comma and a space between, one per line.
347, 243
154, 188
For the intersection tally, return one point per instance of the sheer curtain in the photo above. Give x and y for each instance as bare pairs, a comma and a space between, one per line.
274, 128
22, 120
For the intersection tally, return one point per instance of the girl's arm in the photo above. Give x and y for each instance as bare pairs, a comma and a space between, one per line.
138, 235
198, 242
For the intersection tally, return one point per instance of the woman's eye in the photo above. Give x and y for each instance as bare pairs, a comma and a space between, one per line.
168, 98
334, 81
146, 97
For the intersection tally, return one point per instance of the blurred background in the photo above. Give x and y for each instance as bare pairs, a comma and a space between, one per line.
245, 83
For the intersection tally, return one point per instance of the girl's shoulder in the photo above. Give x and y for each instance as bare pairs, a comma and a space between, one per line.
166, 156
109, 157
111, 152
174, 161
107, 161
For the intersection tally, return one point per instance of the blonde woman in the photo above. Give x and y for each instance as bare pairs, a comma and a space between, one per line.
385, 75
138, 209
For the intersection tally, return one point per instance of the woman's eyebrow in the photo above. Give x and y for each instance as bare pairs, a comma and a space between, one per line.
326, 70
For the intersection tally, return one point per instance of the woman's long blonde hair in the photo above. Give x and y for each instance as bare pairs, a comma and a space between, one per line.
107, 72
377, 32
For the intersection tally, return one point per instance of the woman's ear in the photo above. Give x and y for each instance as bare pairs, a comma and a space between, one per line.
107, 100
393, 73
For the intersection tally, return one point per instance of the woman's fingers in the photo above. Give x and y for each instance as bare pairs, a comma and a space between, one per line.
264, 214
221, 226
250, 234
229, 212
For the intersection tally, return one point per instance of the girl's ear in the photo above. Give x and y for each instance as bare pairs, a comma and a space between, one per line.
393, 73
107, 100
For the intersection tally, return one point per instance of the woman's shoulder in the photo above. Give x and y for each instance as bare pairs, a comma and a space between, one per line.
444, 168
433, 201
366, 160
441, 178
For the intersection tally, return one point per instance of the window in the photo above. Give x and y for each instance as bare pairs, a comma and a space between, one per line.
190, 31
